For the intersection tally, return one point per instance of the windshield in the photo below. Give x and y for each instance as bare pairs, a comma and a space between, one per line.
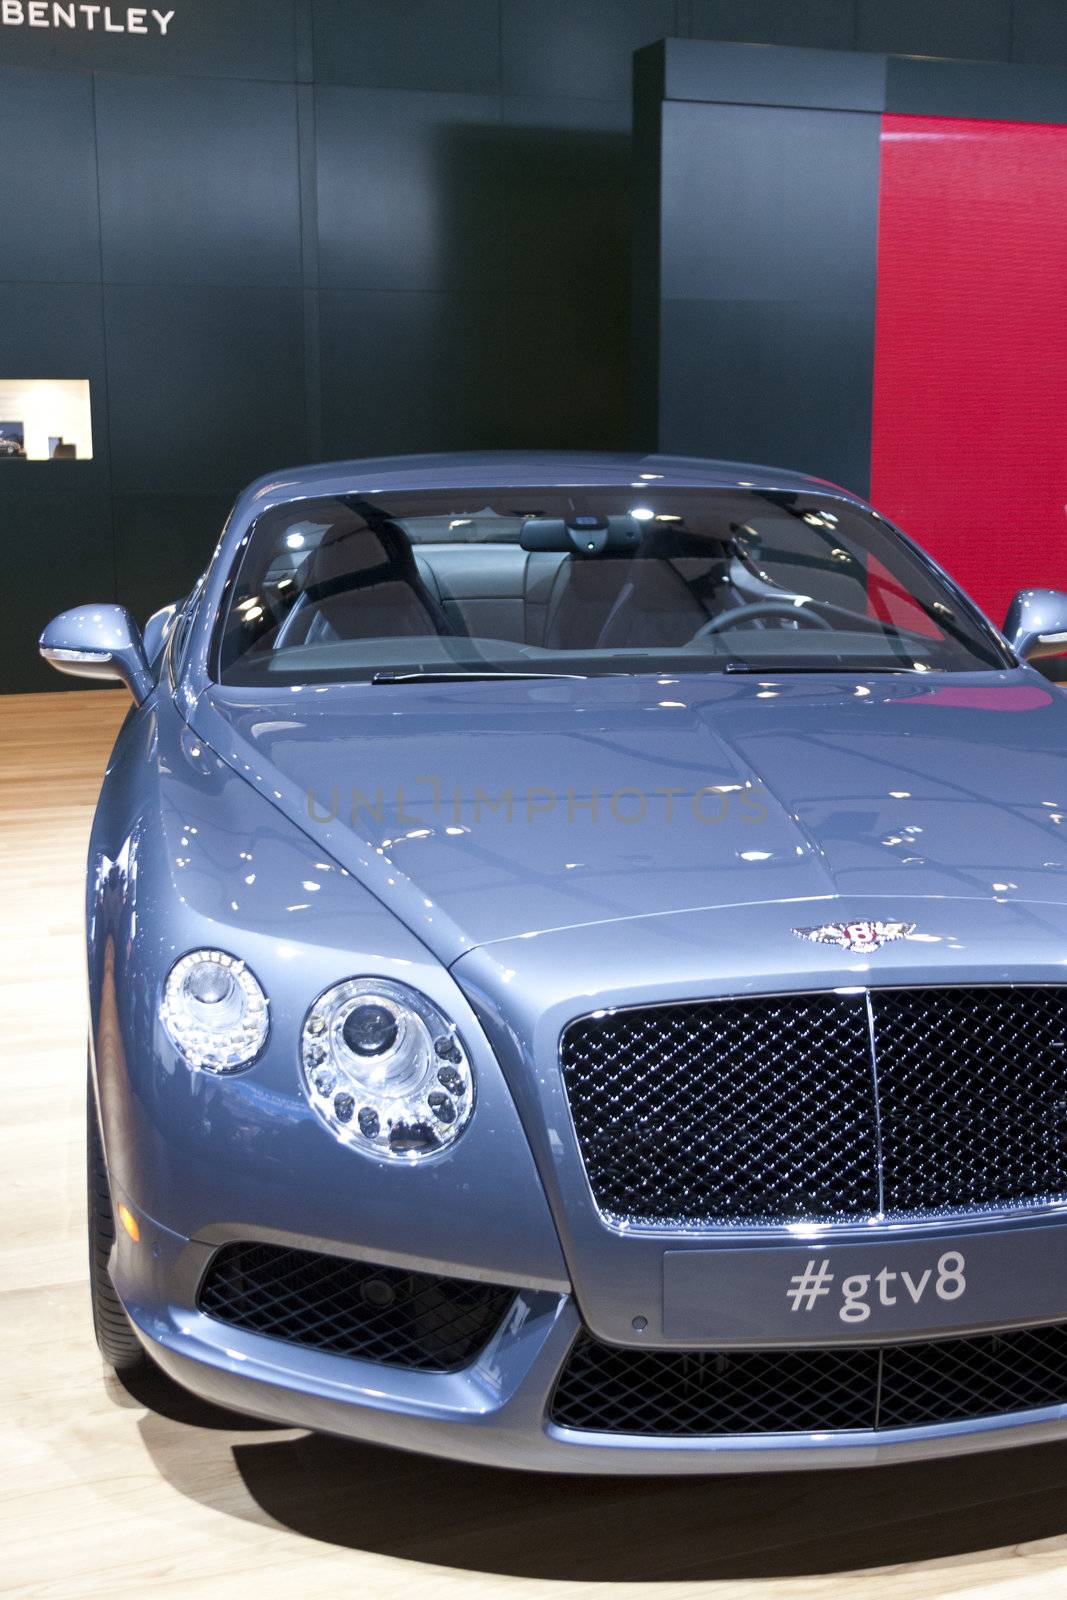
386, 587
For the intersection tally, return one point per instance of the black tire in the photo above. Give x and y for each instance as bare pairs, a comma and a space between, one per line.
118, 1343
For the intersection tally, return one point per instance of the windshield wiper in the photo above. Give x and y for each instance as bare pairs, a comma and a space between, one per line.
477, 676
828, 667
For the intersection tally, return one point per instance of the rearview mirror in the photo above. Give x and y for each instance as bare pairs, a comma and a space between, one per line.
594, 536
99, 642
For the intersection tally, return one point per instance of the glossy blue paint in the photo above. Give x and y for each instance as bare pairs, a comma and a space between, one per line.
728, 811
187, 854
1036, 624
99, 641
648, 795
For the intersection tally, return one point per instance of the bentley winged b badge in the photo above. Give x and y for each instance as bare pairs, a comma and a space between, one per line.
861, 936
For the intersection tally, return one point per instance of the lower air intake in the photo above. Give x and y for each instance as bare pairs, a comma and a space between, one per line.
699, 1393
352, 1308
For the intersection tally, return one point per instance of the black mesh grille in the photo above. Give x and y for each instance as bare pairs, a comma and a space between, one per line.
755, 1109
972, 1087
950, 1379
770, 1109
402, 1319
610, 1390
680, 1393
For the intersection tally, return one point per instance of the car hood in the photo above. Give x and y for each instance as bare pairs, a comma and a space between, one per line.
486, 811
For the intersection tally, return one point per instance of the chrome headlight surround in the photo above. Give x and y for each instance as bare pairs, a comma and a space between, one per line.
385, 1069
214, 1011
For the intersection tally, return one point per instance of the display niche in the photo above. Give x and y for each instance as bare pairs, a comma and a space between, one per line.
45, 419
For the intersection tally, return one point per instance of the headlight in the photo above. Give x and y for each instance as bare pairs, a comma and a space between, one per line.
214, 1011
385, 1070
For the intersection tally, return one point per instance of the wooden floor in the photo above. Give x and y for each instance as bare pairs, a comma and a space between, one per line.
108, 1492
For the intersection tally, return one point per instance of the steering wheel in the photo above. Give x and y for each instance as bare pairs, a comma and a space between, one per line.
762, 608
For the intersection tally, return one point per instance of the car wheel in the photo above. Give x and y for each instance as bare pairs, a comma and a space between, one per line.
118, 1343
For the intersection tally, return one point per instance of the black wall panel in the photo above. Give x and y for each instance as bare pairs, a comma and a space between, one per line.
798, 187
198, 181
294, 228
160, 539
1039, 33
409, 44
58, 552
562, 382
579, 48
568, 212
743, 373
398, 366
972, 30
47, 149
820, 24
758, 315
205, 386
410, 190
929, 88
735, 74
568, 240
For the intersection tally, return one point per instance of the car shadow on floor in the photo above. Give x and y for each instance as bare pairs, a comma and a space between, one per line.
533, 1525
149, 1387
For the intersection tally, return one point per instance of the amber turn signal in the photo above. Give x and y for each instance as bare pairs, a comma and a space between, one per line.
129, 1222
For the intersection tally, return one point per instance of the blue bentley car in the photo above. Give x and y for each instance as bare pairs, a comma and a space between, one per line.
577, 955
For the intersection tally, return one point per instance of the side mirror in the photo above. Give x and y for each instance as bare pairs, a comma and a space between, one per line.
99, 642
1036, 624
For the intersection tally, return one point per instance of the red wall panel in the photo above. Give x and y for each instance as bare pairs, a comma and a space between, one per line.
969, 446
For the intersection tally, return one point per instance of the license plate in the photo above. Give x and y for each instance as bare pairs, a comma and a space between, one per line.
819, 1292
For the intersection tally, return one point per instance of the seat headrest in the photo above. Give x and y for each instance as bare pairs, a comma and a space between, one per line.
355, 558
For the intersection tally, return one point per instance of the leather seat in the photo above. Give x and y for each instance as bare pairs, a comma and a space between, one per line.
364, 583
612, 603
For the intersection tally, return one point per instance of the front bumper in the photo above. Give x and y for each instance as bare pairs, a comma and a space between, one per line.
495, 1411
